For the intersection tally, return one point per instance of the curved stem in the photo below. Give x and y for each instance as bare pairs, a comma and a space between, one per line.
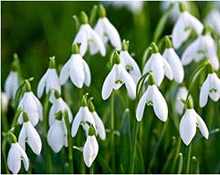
112, 128
188, 159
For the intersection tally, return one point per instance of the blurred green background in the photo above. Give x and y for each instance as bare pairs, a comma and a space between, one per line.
38, 30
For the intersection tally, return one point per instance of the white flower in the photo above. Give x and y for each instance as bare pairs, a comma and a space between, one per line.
59, 105
29, 134
115, 79
87, 37
152, 96
49, 82
210, 88
107, 31
159, 67
15, 156
57, 135
188, 124
82, 116
213, 20
175, 64
32, 106
183, 27
180, 98
4, 101
78, 70
130, 65
203, 47
11, 84
90, 150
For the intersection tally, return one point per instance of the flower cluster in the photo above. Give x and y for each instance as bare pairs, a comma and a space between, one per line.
164, 61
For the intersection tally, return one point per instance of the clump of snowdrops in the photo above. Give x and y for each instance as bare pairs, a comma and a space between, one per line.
44, 123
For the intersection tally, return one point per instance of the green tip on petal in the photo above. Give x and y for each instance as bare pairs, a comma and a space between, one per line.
189, 102
91, 105
15, 63
182, 7
84, 100
52, 62
102, 11
91, 131
83, 17
25, 117
75, 48
168, 43
125, 44
11, 137
59, 115
27, 85
115, 58
154, 47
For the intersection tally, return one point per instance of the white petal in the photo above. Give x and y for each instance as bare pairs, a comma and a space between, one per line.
141, 105
41, 85
24, 157
214, 87
87, 74
180, 97
204, 92
77, 71
11, 84
159, 104
22, 137
64, 73
108, 84
52, 82
202, 126
90, 150
76, 122
175, 64
167, 69
56, 136
99, 126
82, 39
188, 126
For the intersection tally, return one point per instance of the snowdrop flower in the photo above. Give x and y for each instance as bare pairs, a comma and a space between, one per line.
100, 128
188, 124
174, 61
29, 134
213, 20
31, 105
203, 47
12, 81
4, 101
83, 116
129, 63
59, 105
49, 82
185, 24
77, 69
87, 37
152, 96
116, 78
158, 66
57, 134
180, 99
106, 30
16, 155
210, 88
90, 149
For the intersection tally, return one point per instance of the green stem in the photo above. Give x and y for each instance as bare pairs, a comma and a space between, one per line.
4, 156
176, 155
70, 144
137, 126
112, 128
4, 121
188, 159
180, 166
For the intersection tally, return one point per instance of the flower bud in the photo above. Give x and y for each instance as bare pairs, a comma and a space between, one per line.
83, 17
154, 48
168, 43
75, 48
125, 45
27, 85
102, 11
115, 58
91, 105
52, 62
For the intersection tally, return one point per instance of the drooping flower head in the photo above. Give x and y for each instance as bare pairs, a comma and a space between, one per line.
185, 24
152, 97
210, 88
189, 122
129, 63
29, 135
174, 61
16, 155
212, 20
57, 134
50, 81
12, 81
158, 66
106, 30
88, 38
30, 104
117, 77
76, 69
181, 96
